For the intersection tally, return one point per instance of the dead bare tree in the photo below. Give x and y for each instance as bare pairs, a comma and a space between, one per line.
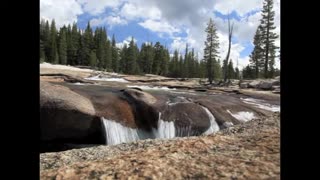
230, 30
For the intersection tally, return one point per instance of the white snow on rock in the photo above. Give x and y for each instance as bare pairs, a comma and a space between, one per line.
242, 115
261, 104
98, 78
152, 88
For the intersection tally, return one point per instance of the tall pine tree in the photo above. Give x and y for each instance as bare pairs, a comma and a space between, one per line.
115, 55
211, 49
63, 45
53, 44
268, 36
257, 58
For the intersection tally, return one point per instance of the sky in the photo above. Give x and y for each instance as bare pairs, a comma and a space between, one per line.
171, 22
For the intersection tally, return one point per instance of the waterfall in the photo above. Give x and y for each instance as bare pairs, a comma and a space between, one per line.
165, 129
116, 133
214, 127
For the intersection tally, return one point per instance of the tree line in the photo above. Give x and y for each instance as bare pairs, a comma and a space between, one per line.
72, 46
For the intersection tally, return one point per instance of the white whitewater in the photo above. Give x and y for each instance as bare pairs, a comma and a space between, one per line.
214, 127
166, 129
116, 133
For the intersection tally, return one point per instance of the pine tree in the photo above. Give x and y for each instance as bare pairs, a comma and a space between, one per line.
93, 58
74, 46
174, 64
115, 55
108, 51
237, 73
164, 62
211, 49
123, 59
63, 45
268, 37
217, 69
53, 44
181, 67
271, 64
87, 45
100, 39
186, 62
82, 52
131, 65
42, 54
248, 72
257, 58
56, 60
46, 41
231, 72
157, 58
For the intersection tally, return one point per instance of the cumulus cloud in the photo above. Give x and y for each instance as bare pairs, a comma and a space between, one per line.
64, 12
169, 19
159, 26
109, 20
96, 7
132, 11
126, 41
239, 6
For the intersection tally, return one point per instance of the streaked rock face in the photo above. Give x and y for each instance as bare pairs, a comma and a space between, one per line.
71, 113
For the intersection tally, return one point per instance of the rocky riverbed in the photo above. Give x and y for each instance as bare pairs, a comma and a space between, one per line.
108, 125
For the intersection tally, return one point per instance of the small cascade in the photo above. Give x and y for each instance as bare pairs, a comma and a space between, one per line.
184, 131
116, 133
165, 129
214, 127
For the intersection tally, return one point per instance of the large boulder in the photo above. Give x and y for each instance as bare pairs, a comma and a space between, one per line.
65, 114
254, 84
275, 82
189, 118
265, 85
146, 114
243, 85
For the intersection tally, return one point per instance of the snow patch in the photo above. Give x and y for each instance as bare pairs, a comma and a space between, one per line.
78, 83
261, 104
242, 115
98, 78
152, 88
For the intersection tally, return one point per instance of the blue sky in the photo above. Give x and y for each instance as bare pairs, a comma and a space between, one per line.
173, 23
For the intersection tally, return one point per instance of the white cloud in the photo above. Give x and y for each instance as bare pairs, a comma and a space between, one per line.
126, 41
132, 11
96, 7
110, 21
239, 6
64, 12
159, 26
167, 18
